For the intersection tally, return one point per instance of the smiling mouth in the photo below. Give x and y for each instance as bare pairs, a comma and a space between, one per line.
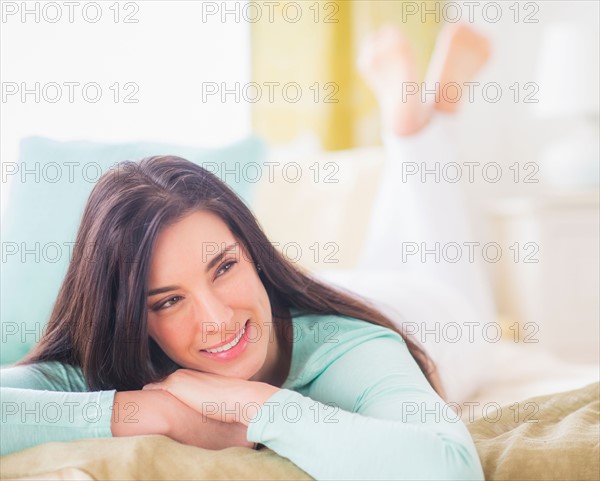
229, 344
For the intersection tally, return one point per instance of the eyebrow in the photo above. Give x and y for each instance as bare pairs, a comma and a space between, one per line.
213, 262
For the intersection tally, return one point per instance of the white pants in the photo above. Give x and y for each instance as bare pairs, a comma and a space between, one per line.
444, 305
412, 213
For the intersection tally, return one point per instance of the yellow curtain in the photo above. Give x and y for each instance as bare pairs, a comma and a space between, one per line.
303, 65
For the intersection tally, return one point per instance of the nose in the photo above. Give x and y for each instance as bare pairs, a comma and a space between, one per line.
212, 315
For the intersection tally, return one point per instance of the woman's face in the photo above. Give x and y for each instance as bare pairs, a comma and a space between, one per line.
203, 287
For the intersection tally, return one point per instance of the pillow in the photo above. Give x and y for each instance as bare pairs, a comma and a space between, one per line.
147, 457
45, 210
328, 194
562, 445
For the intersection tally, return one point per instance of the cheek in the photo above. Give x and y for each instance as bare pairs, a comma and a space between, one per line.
164, 336
244, 291
151, 330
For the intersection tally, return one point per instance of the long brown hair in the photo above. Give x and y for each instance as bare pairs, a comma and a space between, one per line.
99, 319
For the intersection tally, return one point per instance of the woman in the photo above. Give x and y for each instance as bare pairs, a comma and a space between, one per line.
177, 317
150, 288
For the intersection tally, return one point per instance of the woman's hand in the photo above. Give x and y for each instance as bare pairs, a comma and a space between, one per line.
159, 412
188, 426
221, 398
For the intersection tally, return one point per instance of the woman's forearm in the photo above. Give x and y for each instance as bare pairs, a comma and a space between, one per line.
141, 412
159, 412
31, 417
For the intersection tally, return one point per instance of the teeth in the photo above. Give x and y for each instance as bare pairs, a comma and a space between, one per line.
228, 346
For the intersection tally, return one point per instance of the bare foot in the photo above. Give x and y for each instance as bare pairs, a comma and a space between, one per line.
459, 54
387, 64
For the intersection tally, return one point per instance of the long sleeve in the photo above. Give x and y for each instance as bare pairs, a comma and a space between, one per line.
37, 409
371, 414
418, 205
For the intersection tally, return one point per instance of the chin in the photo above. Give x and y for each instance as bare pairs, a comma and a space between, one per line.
243, 371
247, 371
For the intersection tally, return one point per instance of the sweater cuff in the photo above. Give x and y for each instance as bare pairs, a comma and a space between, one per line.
106, 401
272, 411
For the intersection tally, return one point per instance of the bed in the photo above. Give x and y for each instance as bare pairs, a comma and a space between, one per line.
533, 416
538, 420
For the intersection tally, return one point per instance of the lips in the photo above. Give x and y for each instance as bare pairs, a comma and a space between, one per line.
228, 340
230, 354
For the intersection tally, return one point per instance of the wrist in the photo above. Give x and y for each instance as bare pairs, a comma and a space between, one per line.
266, 391
169, 413
260, 393
141, 412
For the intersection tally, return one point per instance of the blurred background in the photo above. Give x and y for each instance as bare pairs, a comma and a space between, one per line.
210, 75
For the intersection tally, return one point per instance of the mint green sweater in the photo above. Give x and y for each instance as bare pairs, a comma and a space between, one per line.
354, 406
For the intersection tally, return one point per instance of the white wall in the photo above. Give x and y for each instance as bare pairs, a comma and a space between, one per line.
508, 132
167, 54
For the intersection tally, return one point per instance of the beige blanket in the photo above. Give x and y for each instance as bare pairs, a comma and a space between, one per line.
553, 437
562, 444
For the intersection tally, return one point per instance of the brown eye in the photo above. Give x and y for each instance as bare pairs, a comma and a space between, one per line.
227, 265
162, 306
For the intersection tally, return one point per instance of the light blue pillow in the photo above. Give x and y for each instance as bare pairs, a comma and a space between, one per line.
45, 208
